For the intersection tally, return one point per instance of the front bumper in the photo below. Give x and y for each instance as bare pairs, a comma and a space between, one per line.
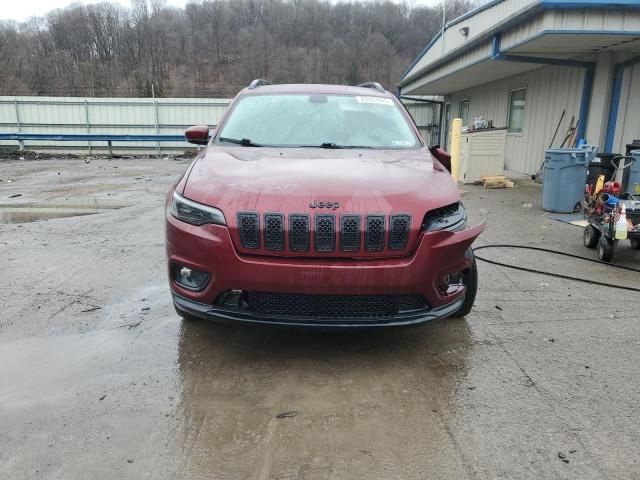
209, 248
223, 315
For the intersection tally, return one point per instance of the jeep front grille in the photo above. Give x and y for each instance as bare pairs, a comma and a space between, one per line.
399, 228
350, 233
325, 238
374, 233
249, 226
326, 233
299, 233
274, 231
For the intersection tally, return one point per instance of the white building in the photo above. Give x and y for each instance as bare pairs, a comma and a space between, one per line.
521, 63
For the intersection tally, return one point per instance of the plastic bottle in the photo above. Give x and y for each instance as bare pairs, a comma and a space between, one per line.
621, 225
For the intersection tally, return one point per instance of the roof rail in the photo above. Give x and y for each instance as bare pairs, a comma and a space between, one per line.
375, 85
258, 82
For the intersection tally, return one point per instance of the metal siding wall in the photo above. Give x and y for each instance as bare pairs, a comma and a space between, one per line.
477, 24
483, 21
481, 52
426, 116
628, 122
107, 115
573, 20
549, 90
526, 30
611, 20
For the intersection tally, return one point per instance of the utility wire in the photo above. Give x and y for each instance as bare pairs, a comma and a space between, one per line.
552, 274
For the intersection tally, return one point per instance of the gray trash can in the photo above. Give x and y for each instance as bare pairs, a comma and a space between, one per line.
565, 175
633, 183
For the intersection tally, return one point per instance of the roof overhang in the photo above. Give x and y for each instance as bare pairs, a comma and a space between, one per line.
483, 71
537, 30
546, 45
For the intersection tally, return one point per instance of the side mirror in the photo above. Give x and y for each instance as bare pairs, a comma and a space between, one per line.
443, 157
198, 134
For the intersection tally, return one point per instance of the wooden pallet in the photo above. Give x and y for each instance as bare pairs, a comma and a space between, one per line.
497, 181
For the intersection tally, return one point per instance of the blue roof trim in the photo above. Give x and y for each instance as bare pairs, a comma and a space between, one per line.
473, 12
553, 4
635, 33
473, 64
541, 4
421, 54
590, 3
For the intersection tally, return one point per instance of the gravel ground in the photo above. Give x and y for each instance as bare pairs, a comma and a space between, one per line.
100, 379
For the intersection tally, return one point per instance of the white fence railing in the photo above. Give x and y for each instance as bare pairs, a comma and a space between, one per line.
132, 116
127, 116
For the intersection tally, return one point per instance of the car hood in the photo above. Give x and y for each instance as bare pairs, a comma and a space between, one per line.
287, 180
246, 179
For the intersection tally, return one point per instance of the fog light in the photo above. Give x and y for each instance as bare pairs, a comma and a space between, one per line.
190, 278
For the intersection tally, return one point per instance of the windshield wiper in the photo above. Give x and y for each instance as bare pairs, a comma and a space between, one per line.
336, 146
245, 142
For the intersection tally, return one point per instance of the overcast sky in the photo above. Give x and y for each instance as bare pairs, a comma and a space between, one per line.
24, 9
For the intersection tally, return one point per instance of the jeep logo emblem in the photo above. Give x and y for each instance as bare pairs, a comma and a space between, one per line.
331, 205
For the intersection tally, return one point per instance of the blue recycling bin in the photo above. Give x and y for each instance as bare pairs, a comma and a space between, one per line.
565, 175
633, 183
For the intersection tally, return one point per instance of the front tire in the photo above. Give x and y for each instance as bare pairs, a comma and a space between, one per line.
635, 243
471, 283
605, 249
591, 236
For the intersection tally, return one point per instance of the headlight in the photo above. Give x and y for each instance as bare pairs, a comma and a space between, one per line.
451, 218
195, 213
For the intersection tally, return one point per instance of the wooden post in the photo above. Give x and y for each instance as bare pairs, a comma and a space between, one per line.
456, 138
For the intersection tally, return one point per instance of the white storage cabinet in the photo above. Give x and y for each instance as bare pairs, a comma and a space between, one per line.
482, 154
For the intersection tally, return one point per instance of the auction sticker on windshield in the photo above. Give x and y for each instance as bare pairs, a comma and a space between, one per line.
376, 100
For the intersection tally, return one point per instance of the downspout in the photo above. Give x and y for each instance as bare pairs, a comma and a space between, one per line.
615, 101
587, 85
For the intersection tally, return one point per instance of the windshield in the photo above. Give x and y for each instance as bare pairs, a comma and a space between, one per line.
329, 121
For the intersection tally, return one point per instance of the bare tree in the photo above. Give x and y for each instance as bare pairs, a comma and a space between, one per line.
213, 47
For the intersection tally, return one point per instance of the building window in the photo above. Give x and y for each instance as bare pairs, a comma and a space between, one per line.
516, 110
464, 111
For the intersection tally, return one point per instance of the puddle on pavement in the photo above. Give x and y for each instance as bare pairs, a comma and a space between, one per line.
38, 211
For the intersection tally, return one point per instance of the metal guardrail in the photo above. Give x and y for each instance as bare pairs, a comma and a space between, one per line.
89, 137
102, 116
155, 124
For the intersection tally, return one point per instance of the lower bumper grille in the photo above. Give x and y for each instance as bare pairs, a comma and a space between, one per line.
333, 306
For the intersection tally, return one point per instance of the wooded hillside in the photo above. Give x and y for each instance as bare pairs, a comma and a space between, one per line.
212, 48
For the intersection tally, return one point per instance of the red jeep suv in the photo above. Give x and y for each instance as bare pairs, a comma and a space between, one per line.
318, 205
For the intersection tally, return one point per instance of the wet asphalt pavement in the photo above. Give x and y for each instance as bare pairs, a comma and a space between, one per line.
100, 379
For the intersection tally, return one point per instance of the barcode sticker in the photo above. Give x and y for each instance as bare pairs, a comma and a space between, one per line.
376, 100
